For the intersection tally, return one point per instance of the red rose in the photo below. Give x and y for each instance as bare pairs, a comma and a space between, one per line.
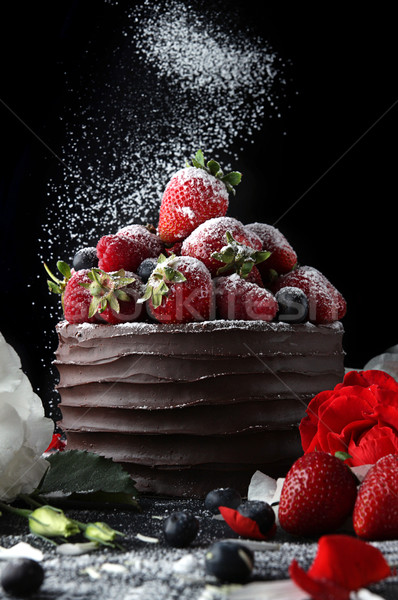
360, 417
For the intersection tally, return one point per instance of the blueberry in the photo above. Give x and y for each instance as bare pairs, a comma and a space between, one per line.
146, 267
22, 577
85, 258
229, 561
260, 512
222, 497
180, 529
293, 305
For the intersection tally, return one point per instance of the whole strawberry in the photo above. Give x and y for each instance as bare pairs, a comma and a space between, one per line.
237, 298
317, 496
376, 508
179, 290
210, 238
114, 295
193, 195
128, 248
76, 299
91, 295
326, 304
283, 257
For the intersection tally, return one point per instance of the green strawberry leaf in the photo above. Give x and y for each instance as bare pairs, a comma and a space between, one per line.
64, 269
81, 472
53, 287
233, 178
199, 159
214, 168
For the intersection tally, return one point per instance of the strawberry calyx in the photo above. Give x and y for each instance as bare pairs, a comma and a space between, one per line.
106, 290
238, 257
56, 285
164, 272
213, 168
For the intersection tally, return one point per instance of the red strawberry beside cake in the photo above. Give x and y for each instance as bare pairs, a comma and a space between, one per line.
196, 371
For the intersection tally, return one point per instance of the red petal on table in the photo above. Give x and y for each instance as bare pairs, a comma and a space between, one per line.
342, 562
317, 589
243, 525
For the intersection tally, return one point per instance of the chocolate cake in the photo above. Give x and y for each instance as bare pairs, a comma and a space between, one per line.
189, 407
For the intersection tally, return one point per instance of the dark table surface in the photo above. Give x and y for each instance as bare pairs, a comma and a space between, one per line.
146, 570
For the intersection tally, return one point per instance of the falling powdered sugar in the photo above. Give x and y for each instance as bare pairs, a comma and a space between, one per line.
179, 79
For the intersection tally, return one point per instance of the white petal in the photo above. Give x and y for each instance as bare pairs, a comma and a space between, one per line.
261, 487
10, 367
11, 434
22, 475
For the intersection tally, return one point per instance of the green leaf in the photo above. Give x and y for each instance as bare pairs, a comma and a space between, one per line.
214, 168
81, 472
121, 295
64, 268
199, 158
94, 307
342, 455
261, 256
246, 268
53, 287
233, 178
113, 303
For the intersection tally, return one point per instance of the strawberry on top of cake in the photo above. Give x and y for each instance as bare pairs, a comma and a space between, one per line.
199, 264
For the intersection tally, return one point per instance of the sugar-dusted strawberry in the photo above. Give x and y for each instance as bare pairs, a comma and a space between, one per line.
317, 496
179, 290
115, 295
326, 304
76, 299
194, 195
128, 248
211, 237
237, 298
91, 295
376, 508
283, 257
145, 237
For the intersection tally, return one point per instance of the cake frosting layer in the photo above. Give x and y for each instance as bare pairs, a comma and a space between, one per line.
218, 397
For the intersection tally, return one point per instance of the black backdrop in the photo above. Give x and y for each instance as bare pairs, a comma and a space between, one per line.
337, 161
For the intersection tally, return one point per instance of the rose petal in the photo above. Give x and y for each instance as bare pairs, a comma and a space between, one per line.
371, 377
243, 525
376, 443
318, 589
349, 562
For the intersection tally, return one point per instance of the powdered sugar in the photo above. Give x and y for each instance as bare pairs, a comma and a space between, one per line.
125, 121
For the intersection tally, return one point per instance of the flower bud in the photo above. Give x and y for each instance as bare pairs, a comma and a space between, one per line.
100, 532
50, 522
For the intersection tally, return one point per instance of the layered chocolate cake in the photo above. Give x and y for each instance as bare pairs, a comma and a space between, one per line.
189, 407
189, 352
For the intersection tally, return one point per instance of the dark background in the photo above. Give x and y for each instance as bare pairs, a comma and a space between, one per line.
333, 153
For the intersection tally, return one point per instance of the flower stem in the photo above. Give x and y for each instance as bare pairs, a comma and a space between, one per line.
21, 512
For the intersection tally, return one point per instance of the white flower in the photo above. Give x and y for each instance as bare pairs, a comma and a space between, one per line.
25, 433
